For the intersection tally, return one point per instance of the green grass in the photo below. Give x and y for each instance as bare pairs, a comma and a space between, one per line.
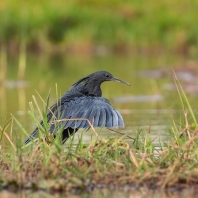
116, 24
114, 162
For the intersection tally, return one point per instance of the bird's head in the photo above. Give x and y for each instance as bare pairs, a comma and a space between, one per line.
103, 76
90, 85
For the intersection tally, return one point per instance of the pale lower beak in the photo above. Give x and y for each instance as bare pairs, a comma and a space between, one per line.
121, 81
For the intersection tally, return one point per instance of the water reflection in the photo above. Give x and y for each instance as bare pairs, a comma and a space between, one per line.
187, 76
22, 99
126, 192
148, 98
3, 101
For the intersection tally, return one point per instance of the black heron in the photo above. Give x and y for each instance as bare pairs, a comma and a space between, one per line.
83, 100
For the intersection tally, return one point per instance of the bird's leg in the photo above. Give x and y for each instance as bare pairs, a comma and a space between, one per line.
67, 133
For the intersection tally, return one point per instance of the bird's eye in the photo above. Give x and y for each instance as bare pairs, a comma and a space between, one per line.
107, 76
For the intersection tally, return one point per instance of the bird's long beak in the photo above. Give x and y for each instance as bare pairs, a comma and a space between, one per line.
121, 81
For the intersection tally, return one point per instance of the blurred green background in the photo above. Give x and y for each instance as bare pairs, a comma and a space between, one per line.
84, 25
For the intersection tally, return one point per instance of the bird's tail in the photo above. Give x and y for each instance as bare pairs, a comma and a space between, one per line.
32, 136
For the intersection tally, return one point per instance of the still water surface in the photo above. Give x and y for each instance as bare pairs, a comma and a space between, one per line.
107, 193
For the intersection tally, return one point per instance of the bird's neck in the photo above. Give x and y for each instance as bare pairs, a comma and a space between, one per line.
87, 86
94, 89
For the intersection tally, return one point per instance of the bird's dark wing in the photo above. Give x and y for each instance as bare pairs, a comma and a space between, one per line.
96, 109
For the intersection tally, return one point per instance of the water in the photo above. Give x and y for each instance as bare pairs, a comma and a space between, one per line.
148, 104
108, 193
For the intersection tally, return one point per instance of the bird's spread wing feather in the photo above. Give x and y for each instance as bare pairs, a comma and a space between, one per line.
96, 109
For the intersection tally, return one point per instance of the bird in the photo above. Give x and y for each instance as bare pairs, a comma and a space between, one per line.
83, 100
